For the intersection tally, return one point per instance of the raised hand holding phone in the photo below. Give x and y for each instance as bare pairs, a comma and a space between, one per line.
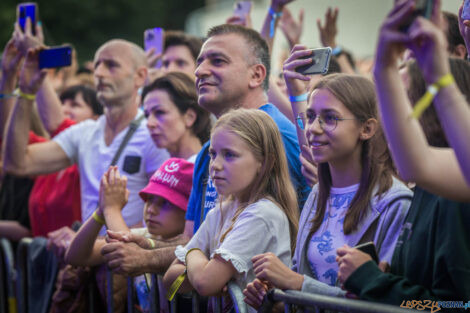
241, 14
153, 39
55, 57
31, 77
242, 8
27, 11
296, 83
464, 22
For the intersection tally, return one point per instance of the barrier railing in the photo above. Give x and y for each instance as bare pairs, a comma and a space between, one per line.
22, 276
233, 289
7, 278
317, 302
310, 302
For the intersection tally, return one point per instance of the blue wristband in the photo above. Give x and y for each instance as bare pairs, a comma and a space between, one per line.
274, 15
337, 51
299, 98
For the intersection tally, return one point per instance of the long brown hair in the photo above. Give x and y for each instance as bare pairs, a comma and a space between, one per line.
260, 133
357, 93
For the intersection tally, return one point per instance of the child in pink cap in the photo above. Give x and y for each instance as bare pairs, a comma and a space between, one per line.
166, 197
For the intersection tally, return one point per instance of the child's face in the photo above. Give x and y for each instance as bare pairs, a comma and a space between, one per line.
338, 141
233, 166
163, 218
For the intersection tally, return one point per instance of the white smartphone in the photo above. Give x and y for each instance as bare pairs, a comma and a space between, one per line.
153, 38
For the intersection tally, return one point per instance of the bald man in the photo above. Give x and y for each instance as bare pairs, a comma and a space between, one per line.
119, 71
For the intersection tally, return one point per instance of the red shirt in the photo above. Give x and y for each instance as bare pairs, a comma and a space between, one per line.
54, 201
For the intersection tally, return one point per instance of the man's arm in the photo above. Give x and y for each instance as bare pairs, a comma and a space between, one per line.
180, 239
19, 158
130, 259
49, 107
268, 29
10, 64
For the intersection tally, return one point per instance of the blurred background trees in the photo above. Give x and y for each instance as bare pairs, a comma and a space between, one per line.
86, 24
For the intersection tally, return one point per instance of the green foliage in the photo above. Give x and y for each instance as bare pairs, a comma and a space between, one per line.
86, 24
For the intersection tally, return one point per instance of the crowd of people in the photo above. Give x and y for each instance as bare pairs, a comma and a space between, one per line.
211, 168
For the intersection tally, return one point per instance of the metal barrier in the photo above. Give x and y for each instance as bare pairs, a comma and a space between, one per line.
233, 289
22, 276
234, 292
316, 302
7, 278
237, 297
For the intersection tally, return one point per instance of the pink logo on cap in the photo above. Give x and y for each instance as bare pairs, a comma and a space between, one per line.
172, 181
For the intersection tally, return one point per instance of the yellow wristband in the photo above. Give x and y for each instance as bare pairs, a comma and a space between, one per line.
425, 101
27, 96
98, 218
151, 242
180, 279
175, 286
189, 251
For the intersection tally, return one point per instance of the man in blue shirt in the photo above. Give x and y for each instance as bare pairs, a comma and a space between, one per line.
233, 72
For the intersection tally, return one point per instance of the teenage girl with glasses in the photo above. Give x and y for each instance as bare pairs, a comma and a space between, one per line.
356, 200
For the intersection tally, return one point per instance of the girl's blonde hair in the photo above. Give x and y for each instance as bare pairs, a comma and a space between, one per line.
261, 134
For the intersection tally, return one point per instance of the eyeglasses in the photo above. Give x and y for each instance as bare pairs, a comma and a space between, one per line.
327, 121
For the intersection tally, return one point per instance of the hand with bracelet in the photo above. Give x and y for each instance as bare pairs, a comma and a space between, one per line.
297, 87
296, 83
31, 77
436, 170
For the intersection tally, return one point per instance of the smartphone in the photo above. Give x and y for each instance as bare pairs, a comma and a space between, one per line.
369, 248
422, 8
153, 38
242, 8
55, 57
466, 10
26, 10
320, 62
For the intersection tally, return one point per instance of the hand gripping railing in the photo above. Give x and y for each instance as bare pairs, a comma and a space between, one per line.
316, 302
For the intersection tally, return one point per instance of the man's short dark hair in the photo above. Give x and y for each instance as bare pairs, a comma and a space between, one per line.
453, 33
258, 45
179, 38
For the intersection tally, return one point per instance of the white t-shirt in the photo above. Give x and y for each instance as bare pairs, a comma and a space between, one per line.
330, 236
261, 227
84, 144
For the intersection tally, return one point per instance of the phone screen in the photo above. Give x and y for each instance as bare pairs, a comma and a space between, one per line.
26, 10
320, 62
153, 38
422, 8
55, 57
466, 10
